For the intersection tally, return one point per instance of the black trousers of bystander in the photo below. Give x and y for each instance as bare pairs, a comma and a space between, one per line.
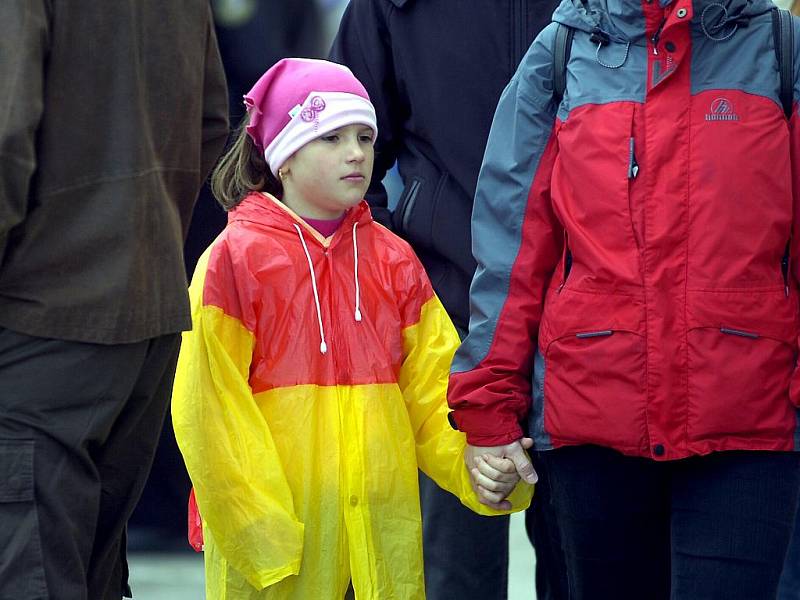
79, 425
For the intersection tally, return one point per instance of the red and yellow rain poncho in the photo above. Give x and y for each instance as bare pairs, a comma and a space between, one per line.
309, 391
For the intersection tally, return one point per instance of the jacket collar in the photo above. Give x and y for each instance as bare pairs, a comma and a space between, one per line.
265, 209
623, 20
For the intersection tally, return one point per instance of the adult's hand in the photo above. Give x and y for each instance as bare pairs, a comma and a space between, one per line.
495, 470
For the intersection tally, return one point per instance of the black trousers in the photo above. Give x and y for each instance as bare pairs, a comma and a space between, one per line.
466, 555
702, 528
79, 425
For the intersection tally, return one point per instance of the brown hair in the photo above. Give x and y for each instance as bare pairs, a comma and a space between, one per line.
241, 170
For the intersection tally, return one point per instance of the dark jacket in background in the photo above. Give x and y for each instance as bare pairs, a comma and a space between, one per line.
253, 35
104, 145
401, 50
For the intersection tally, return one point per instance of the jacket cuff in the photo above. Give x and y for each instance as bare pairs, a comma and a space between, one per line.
485, 429
495, 440
451, 418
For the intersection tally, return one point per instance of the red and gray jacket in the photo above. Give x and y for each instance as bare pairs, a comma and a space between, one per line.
637, 243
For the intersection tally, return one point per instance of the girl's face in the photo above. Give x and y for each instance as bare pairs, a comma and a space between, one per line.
329, 174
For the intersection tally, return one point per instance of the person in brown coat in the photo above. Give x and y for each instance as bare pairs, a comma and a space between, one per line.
111, 117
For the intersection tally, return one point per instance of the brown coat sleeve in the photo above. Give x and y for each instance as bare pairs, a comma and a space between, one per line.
23, 50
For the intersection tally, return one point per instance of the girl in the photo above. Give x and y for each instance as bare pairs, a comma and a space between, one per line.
636, 295
313, 383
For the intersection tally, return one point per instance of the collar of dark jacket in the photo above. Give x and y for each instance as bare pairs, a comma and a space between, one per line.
399, 3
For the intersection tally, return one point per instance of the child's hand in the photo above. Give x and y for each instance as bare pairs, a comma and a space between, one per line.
493, 479
494, 471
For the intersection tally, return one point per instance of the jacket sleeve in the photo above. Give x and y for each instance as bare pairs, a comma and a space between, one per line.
363, 44
24, 44
517, 242
239, 481
428, 348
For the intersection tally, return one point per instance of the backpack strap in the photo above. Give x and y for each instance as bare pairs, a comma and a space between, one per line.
561, 51
783, 34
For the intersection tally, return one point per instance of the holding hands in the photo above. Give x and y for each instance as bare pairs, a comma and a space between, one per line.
496, 470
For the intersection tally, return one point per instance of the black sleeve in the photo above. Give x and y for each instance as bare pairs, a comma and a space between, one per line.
363, 44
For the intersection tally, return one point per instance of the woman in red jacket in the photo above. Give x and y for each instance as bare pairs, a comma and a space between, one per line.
636, 304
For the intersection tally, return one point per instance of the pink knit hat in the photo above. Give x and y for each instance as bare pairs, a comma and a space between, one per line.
301, 99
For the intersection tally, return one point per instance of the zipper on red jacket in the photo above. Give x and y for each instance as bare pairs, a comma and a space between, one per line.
633, 173
657, 35
785, 269
566, 263
633, 166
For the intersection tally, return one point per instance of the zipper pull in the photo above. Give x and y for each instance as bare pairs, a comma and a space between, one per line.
567, 269
785, 271
633, 166
657, 35
785, 267
566, 263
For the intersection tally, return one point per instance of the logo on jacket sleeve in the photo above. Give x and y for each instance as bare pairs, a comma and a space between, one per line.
721, 110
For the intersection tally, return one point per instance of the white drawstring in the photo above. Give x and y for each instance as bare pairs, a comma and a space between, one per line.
355, 274
323, 347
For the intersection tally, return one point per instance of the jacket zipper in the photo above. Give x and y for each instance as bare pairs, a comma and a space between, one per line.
657, 35
566, 263
785, 269
633, 166
633, 173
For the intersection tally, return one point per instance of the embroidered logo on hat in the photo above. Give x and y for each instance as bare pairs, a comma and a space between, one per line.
315, 106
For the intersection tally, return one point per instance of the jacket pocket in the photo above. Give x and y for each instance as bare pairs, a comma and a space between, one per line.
741, 354
21, 570
406, 203
594, 383
416, 209
595, 186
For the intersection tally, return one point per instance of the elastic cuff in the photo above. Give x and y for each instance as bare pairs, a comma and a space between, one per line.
452, 420
494, 439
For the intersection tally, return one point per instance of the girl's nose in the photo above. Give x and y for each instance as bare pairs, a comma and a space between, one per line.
355, 152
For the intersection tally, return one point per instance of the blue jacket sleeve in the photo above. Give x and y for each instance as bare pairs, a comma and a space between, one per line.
517, 242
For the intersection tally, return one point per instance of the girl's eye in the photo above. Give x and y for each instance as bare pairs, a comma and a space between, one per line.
329, 138
366, 138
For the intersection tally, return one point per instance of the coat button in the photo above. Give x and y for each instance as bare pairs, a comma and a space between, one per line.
658, 450
681, 13
353, 500
670, 47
